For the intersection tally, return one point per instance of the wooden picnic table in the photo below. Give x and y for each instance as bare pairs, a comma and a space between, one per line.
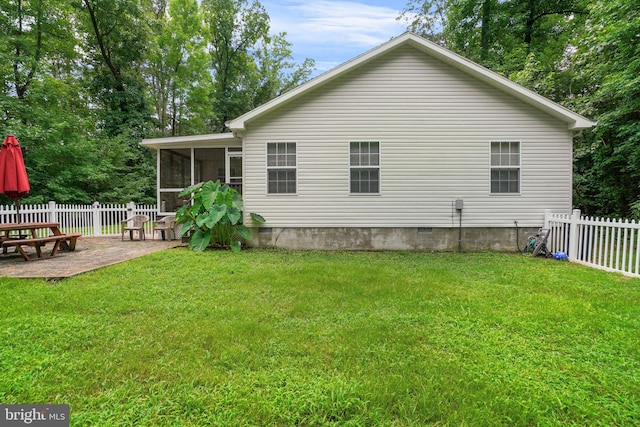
26, 234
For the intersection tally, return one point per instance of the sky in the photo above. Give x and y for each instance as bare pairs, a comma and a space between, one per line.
334, 31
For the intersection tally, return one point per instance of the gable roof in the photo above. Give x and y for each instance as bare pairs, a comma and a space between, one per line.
574, 121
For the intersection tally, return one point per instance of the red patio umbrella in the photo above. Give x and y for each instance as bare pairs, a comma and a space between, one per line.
13, 175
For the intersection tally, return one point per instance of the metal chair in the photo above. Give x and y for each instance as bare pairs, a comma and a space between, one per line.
134, 223
166, 226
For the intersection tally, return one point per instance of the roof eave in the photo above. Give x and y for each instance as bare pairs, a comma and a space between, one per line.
157, 143
582, 124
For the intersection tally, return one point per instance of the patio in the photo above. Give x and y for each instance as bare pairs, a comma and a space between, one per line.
91, 253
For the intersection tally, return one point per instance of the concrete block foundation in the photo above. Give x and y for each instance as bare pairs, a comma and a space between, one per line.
387, 238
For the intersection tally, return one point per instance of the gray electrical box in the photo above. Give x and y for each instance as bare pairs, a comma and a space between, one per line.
459, 204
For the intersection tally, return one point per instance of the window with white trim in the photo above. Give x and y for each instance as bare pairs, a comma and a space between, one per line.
505, 167
281, 168
364, 167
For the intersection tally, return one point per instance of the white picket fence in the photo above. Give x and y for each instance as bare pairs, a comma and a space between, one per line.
607, 244
89, 220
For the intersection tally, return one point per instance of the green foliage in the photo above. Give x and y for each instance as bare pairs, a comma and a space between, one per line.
117, 35
82, 81
609, 157
538, 35
249, 66
232, 28
276, 73
214, 217
180, 83
304, 338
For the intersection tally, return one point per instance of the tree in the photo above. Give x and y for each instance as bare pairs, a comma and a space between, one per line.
117, 34
276, 71
233, 27
606, 61
470, 27
36, 38
427, 17
249, 66
26, 28
82, 81
41, 101
506, 36
465, 26
179, 82
534, 12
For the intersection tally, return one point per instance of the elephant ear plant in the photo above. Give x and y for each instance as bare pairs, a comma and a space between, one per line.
214, 217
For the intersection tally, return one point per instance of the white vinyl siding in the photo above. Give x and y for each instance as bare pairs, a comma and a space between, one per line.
281, 168
364, 158
436, 124
505, 167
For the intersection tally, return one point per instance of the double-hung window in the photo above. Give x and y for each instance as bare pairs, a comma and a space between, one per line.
281, 168
364, 165
505, 167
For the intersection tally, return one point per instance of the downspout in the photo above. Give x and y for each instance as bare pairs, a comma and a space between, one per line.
459, 203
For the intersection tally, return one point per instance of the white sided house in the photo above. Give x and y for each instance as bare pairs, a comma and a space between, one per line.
408, 146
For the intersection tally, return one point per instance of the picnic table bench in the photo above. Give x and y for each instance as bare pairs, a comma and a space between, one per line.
39, 242
28, 236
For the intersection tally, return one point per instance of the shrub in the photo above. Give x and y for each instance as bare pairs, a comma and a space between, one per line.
214, 217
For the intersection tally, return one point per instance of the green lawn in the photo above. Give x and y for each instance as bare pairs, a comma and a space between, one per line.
284, 338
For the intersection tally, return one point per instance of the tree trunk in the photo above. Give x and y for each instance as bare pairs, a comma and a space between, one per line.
531, 20
486, 30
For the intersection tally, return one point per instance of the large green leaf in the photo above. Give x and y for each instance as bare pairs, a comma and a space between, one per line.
257, 218
181, 213
197, 204
234, 215
215, 215
235, 246
200, 240
186, 227
237, 200
209, 193
202, 219
224, 198
243, 232
190, 190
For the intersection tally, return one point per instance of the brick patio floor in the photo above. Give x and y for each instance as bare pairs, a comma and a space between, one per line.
91, 253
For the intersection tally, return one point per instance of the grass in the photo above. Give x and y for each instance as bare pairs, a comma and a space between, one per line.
279, 338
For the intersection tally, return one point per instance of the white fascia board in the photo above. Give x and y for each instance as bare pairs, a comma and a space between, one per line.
188, 141
574, 121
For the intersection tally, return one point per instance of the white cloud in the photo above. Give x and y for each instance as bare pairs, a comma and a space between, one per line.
346, 22
333, 31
